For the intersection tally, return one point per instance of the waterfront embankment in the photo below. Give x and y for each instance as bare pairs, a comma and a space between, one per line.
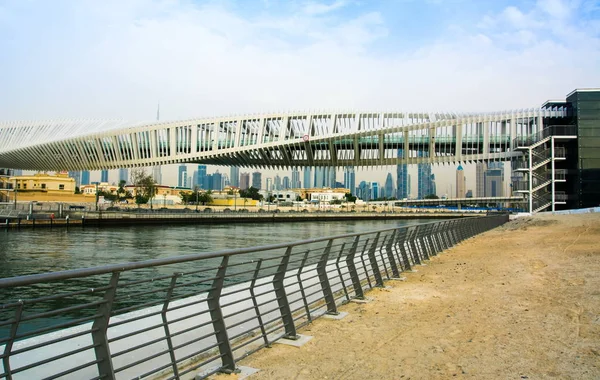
132, 218
521, 301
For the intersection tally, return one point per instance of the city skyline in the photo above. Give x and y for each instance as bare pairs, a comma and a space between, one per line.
443, 188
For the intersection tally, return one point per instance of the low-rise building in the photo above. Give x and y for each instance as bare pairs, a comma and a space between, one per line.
45, 183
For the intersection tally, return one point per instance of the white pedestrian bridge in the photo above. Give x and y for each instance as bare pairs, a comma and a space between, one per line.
276, 140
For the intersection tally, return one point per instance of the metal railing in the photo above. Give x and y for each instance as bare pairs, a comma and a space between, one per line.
177, 316
552, 130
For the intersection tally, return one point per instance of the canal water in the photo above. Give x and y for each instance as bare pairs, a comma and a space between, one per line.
32, 251
43, 250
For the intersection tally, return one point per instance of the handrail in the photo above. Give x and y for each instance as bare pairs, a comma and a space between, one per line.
141, 319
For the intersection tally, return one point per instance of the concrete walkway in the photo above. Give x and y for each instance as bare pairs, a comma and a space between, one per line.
521, 301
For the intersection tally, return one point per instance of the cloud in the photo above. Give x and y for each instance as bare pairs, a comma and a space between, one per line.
118, 59
315, 8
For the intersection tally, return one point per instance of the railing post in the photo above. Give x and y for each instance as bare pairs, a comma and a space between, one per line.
255, 303
373, 260
337, 265
100, 327
413, 246
8, 347
213, 300
298, 276
282, 300
324, 280
352, 270
390, 255
401, 243
364, 265
424, 230
163, 315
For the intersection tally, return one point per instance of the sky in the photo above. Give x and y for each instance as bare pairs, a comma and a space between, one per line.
115, 59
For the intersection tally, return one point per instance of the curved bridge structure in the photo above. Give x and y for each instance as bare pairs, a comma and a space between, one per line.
273, 140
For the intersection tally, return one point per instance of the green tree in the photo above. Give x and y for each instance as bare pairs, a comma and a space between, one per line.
145, 186
251, 193
350, 198
77, 190
205, 197
431, 196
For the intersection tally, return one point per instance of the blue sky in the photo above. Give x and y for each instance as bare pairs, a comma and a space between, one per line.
119, 58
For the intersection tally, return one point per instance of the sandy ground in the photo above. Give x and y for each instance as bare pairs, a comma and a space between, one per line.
518, 302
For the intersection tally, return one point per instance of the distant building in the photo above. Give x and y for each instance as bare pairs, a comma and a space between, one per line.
277, 182
234, 176
388, 187
285, 183
245, 181
157, 174
76, 175
269, 186
104, 176
480, 169
402, 182
425, 180
307, 182
257, 180
201, 181
350, 178
469, 194
217, 181
461, 184
85, 177
295, 184
363, 191
374, 190
124, 175
182, 176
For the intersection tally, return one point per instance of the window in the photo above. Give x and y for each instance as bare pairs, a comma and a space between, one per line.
24, 186
61, 187
43, 185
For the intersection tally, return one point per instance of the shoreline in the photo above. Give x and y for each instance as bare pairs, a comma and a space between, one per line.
103, 219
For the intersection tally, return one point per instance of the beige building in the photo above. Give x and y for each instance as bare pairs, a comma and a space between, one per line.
59, 183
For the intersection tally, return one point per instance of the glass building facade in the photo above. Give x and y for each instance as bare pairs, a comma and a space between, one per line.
585, 107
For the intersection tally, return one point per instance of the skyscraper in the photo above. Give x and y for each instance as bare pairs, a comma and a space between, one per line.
331, 177
402, 183
494, 180
77, 177
157, 174
245, 181
319, 181
217, 181
461, 184
124, 175
277, 182
201, 180
363, 191
350, 179
307, 182
104, 176
480, 169
285, 183
182, 177
389, 186
234, 176
257, 180
374, 190
269, 186
425, 180
295, 179
85, 177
